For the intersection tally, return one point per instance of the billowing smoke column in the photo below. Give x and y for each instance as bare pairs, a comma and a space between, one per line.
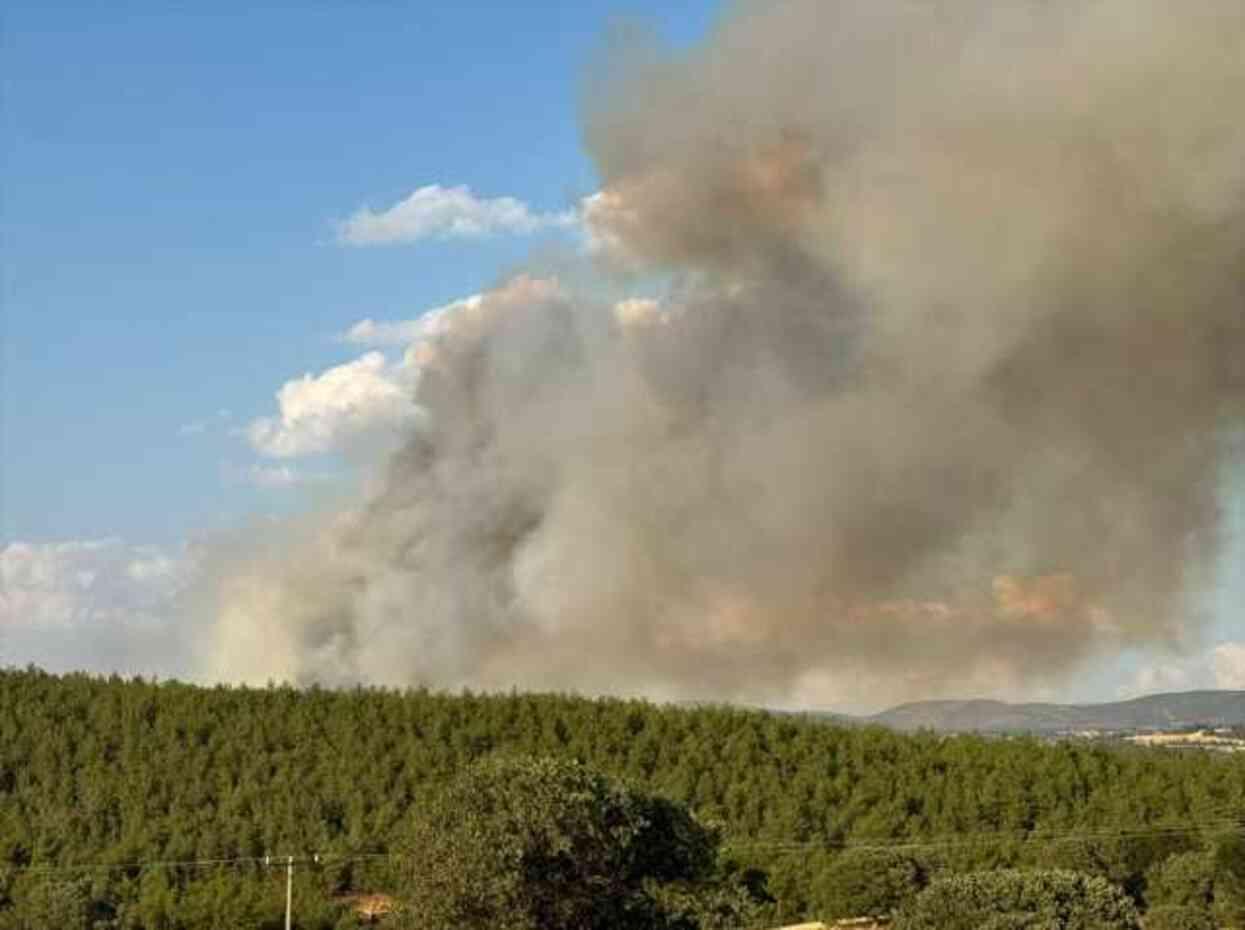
937, 397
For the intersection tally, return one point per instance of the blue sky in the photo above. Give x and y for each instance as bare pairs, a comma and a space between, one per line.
175, 177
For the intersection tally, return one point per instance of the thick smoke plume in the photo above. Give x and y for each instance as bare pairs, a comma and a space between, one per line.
937, 395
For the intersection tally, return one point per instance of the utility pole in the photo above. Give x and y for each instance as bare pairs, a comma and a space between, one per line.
289, 890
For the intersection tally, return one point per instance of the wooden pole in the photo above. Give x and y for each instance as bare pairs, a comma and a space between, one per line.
289, 891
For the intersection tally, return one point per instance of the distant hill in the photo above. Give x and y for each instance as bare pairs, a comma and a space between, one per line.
1153, 712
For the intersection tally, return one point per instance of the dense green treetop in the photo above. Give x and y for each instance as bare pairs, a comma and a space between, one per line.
549, 844
1011, 899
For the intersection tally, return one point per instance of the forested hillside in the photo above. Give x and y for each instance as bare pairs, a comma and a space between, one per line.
100, 779
1154, 711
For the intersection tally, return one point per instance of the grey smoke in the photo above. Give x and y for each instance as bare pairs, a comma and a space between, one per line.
938, 396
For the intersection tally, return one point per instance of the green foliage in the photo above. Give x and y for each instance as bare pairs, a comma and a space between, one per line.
1178, 917
1183, 880
1126, 861
1018, 921
721, 904
869, 882
97, 771
546, 844
62, 903
1052, 899
1229, 877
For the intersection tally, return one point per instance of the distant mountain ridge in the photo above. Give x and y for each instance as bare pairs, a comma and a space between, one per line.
1152, 712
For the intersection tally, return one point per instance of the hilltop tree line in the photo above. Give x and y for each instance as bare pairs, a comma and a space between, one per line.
102, 780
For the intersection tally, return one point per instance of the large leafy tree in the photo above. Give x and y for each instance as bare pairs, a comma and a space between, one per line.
1013, 898
548, 844
1229, 879
1183, 880
867, 882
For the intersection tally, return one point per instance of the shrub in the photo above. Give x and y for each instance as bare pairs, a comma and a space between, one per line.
1229, 880
1179, 917
544, 844
1012, 898
866, 883
1183, 880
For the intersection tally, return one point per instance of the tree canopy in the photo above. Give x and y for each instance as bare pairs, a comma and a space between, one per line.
549, 844
866, 882
102, 777
1012, 898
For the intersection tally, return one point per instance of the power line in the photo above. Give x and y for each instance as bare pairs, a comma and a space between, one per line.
268, 861
900, 843
1025, 836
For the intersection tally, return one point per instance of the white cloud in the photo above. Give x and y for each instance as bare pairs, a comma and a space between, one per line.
1222, 666
436, 212
602, 215
271, 476
353, 402
61, 583
275, 476
1162, 677
369, 332
100, 605
403, 333
1228, 662
638, 311
368, 402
